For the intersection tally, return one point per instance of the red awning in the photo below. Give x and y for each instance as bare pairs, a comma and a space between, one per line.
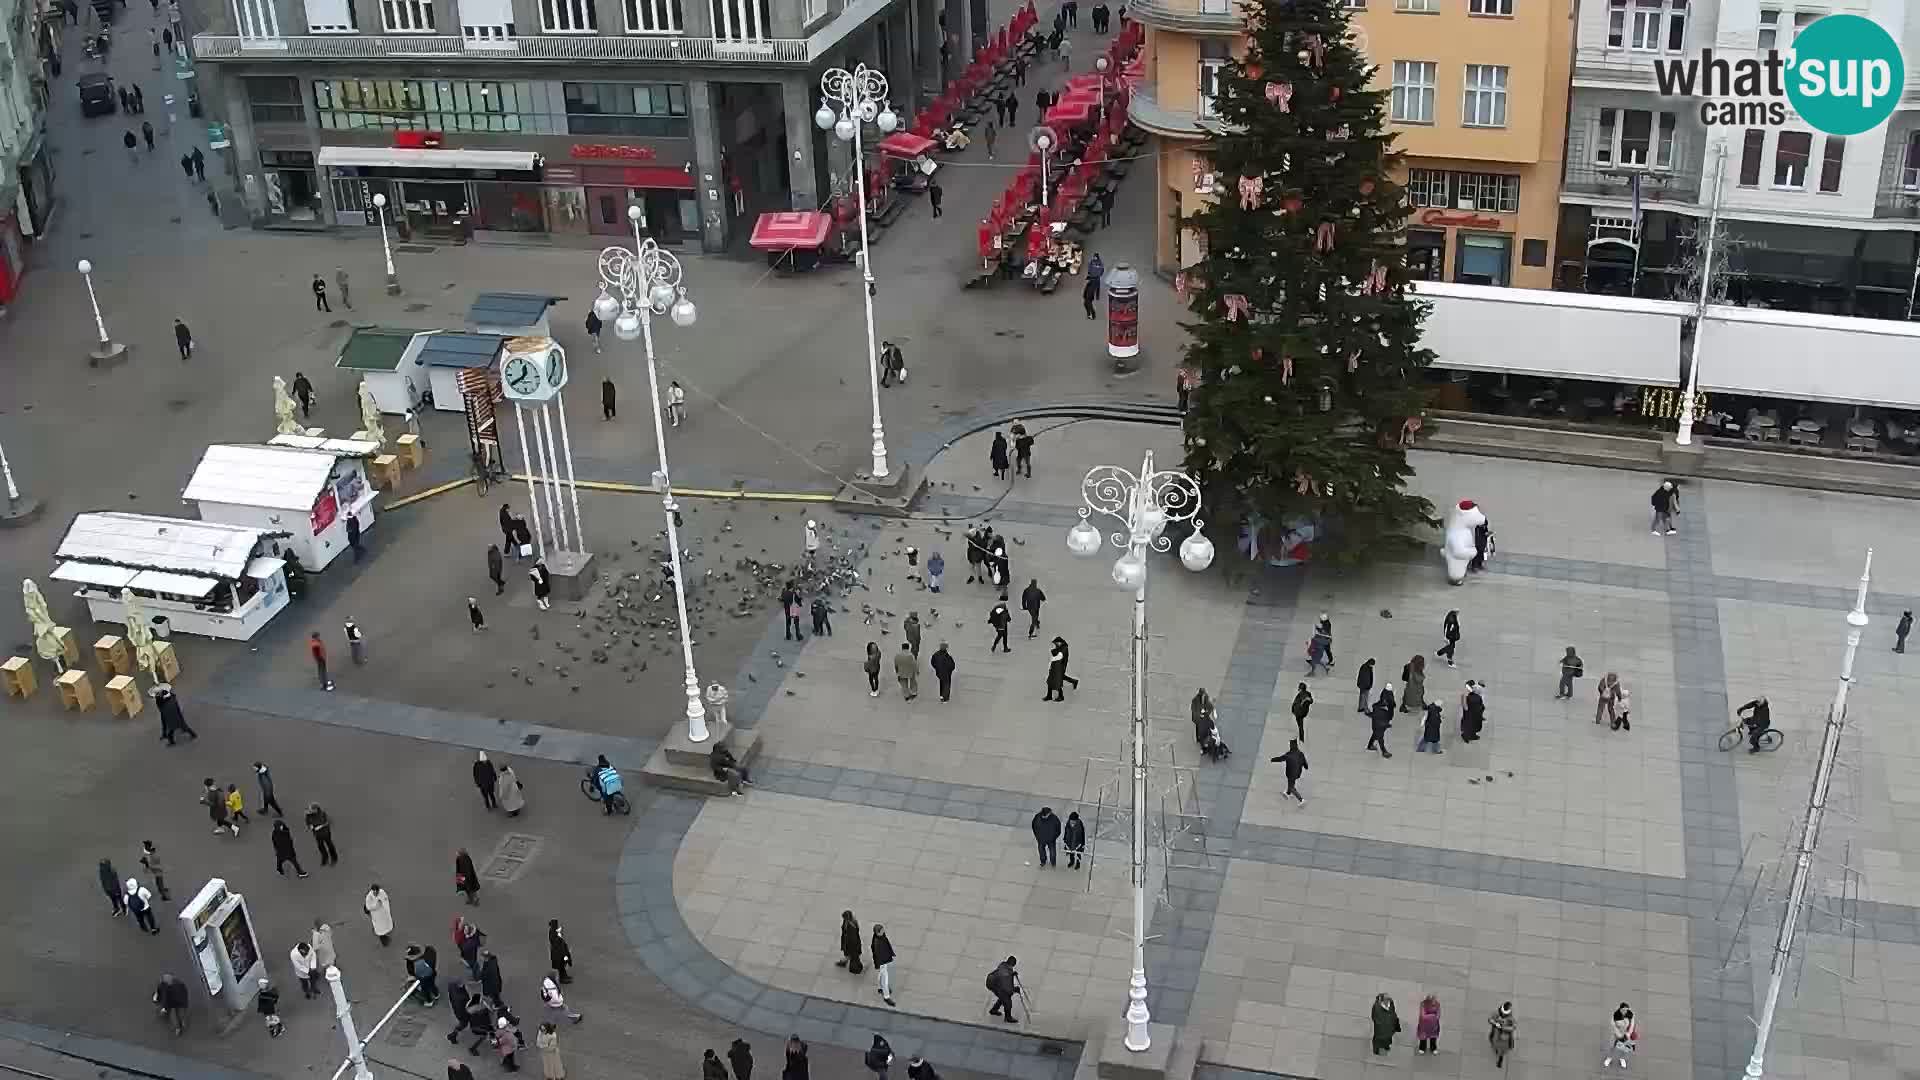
790, 229
905, 144
656, 176
1070, 112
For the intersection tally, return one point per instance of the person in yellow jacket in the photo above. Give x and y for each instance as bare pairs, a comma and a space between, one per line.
236, 806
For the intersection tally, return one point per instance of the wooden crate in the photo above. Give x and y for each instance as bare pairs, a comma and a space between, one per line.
412, 452
166, 664
76, 690
69, 645
16, 676
112, 655
123, 696
383, 472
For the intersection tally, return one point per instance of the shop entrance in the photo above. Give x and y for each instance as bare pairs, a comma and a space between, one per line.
436, 208
667, 215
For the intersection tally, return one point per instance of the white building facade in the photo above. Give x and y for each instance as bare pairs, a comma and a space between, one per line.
1814, 222
26, 173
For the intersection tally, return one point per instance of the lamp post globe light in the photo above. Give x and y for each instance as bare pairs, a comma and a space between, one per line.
1143, 504
108, 350
386, 248
861, 97
1100, 66
647, 280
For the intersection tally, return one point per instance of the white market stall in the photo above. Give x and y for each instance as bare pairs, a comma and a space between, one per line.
511, 314
203, 578
452, 358
306, 493
389, 360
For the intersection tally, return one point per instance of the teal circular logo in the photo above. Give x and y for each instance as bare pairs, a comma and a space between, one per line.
1846, 74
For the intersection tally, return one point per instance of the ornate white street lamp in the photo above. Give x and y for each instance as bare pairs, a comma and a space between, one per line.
861, 95
108, 349
648, 281
386, 248
1143, 505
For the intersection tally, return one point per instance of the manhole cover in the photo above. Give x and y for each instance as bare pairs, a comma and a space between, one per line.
405, 1030
417, 307
510, 859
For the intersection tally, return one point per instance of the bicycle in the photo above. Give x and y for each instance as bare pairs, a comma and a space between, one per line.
1770, 739
617, 800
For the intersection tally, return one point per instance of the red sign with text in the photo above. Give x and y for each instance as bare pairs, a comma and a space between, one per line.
419, 140
1465, 219
604, 151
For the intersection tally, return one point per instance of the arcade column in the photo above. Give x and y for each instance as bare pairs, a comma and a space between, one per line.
799, 97
709, 189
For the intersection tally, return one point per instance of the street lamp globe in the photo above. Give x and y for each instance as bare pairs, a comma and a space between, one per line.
1083, 539
1100, 64
86, 266
634, 213
824, 118
627, 326
888, 120
661, 296
683, 312
606, 306
1044, 141
380, 199
843, 128
1130, 570
1196, 551
869, 110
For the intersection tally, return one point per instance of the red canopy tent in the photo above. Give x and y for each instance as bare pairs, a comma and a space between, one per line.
905, 144
789, 229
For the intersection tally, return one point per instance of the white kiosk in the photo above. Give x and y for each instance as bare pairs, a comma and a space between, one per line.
203, 578
218, 931
307, 492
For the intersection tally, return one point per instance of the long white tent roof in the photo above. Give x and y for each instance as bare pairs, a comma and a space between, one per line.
149, 542
272, 477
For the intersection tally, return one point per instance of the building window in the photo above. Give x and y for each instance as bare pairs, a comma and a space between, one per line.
1483, 259
1497, 193
275, 101
1213, 60
1484, 102
1910, 169
1490, 7
742, 20
1616, 23
568, 17
332, 17
1413, 89
486, 20
1804, 19
1656, 25
1769, 28
1533, 253
486, 32
1425, 7
1752, 150
1832, 156
1355, 5
428, 105
653, 16
1426, 254
1429, 188
816, 9
407, 16
1635, 139
646, 109
1791, 152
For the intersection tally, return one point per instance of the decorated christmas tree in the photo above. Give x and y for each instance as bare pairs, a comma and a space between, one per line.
1305, 350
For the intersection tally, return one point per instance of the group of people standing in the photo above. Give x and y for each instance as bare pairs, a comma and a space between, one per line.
516, 540
1021, 463
1501, 1028
987, 556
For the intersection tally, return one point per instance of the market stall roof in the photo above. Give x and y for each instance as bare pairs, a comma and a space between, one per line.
274, 477
511, 309
265, 566
458, 349
788, 229
376, 348
905, 144
151, 542
353, 448
80, 573
174, 584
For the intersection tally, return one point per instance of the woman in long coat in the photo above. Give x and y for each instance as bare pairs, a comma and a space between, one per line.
548, 1040
850, 947
1386, 1024
323, 956
1414, 680
379, 911
507, 790
465, 879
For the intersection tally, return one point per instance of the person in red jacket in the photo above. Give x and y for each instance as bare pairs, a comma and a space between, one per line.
318, 649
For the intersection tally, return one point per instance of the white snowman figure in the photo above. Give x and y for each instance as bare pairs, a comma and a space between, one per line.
1457, 545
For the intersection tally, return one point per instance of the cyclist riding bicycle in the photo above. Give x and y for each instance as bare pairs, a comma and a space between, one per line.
1757, 724
607, 779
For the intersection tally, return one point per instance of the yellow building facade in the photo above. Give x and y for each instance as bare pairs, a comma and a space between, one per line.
1478, 103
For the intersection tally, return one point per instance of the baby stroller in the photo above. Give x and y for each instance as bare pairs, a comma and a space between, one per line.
1215, 747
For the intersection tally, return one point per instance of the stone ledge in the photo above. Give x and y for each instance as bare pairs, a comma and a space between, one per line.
892, 497
660, 771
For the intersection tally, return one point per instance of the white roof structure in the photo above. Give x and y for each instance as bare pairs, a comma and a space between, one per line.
149, 542
271, 477
353, 448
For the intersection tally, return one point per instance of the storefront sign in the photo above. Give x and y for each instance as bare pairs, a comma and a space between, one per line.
419, 140
217, 137
1465, 220
603, 151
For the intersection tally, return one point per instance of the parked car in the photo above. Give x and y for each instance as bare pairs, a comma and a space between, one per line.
96, 94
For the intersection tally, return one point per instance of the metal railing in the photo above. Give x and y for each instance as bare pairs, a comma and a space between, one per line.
1656, 185
1614, 63
587, 48
1191, 16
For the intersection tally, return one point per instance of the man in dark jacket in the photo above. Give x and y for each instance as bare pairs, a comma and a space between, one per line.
173, 722
1030, 600
919, 1068
999, 618
1295, 762
457, 998
183, 337
1046, 832
559, 955
1758, 716
1076, 838
1004, 982
1473, 713
483, 778
1382, 719
1901, 631
1571, 668
883, 956
741, 1055
942, 663
1302, 704
878, 1057
1364, 682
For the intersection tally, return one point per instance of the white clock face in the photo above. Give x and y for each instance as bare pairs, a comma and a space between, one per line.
521, 377
556, 368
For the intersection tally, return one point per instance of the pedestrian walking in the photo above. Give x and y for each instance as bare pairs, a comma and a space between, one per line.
304, 968
186, 160
812, 540
320, 294
458, 1001
796, 1067
1031, 598
1302, 705
1500, 1033
346, 294
912, 629
997, 456
132, 143
1320, 653
318, 650
173, 722
322, 941
1294, 762
542, 584
171, 997
1625, 1034
1022, 450
199, 159
976, 553
740, 1056
1427, 1028
508, 792
879, 1057
936, 569
1483, 546
822, 617
506, 1043
466, 880
110, 884
711, 1067
1450, 630
475, 616
1363, 681
1429, 730
140, 902
507, 521
677, 402
1413, 678
140, 101
1900, 631
1201, 709
1074, 837
1004, 982
215, 801
906, 668
872, 668
609, 397
1666, 504
283, 852
547, 1040
1380, 719
496, 569
1607, 697
213, 202
992, 135
594, 326
1046, 833
1386, 1023
264, 777
267, 1001
942, 664
353, 536
467, 940
183, 339
1088, 294
883, 957
1473, 712
934, 195
851, 947
150, 861
559, 955
791, 606
1571, 668
555, 1001
379, 909
236, 805
919, 1068
1056, 674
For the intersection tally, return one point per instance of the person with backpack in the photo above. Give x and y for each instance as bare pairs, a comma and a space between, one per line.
879, 1057
267, 1001
1571, 668
1450, 630
140, 903
1004, 982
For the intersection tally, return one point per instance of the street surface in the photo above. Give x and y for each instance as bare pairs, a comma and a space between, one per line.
1558, 864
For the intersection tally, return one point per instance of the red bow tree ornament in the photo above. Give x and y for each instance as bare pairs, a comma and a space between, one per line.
1181, 284
1302, 483
1376, 280
1323, 237
1366, 185
1250, 191
1353, 360
1286, 369
1237, 307
1280, 95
